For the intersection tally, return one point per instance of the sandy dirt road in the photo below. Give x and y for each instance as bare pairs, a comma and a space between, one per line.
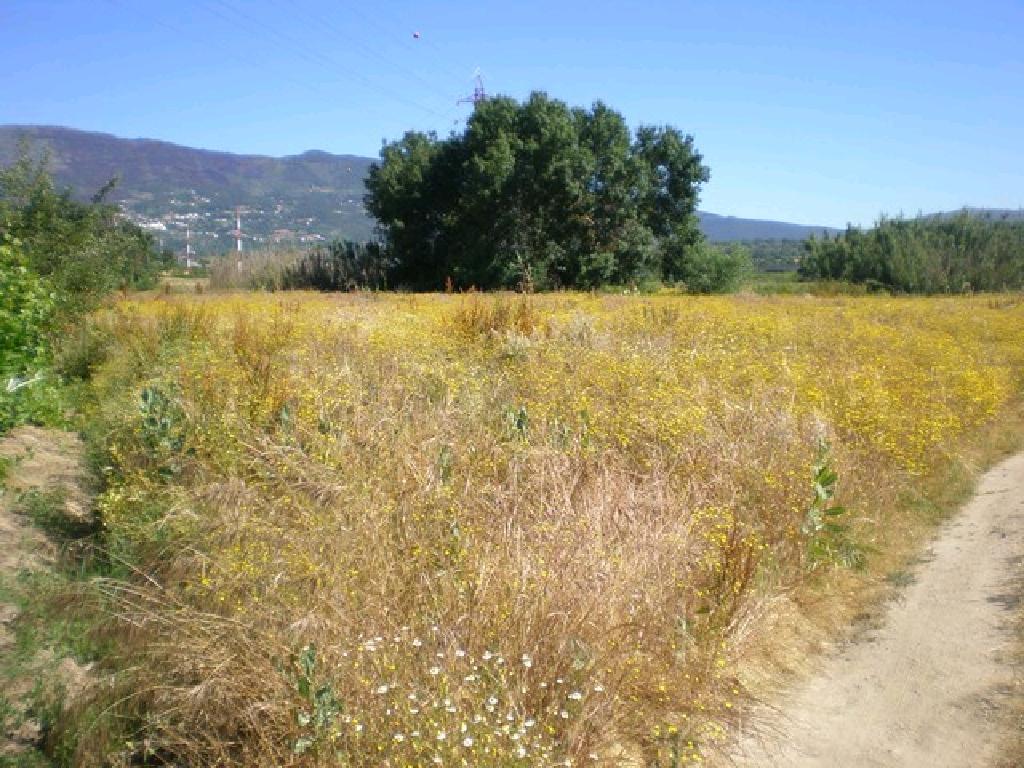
931, 688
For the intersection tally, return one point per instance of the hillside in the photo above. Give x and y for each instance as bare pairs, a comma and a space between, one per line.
293, 199
166, 187
730, 228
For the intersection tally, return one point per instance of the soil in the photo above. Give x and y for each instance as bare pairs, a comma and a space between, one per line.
938, 682
41, 460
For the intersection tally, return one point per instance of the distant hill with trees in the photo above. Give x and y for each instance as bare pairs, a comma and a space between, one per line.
311, 196
724, 229
316, 195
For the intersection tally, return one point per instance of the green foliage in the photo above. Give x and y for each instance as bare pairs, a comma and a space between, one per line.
58, 258
775, 255
27, 307
338, 266
708, 268
930, 255
81, 349
84, 250
41, 400
320, 705
162, 430
536, 195
828, 539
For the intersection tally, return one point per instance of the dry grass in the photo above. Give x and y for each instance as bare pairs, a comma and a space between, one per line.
501, 531
252, 270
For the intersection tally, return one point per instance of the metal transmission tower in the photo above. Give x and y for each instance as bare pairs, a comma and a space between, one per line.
237, 232
188, 247
479, 94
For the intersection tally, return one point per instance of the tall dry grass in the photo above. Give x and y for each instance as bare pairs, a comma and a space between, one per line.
419, 530
252, 270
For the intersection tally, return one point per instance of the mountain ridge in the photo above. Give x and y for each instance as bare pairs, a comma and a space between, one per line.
307, 197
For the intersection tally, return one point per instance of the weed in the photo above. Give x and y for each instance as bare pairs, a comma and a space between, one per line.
320, 706
828, 539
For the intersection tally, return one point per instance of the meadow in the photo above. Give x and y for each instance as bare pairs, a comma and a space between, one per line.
498, 530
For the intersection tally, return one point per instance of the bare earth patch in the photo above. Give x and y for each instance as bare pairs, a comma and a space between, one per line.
43, 460
934, 686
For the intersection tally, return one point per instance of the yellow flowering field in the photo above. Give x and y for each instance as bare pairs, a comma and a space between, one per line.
470, 530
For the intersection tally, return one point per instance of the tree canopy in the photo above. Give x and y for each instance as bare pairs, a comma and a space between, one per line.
538, 194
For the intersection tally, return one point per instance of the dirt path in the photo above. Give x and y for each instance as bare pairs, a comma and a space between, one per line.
37, 461
932, 687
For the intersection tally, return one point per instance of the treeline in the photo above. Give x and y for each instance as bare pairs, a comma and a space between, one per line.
58, 258
345, 265
540, 195
774, 255
342, 265
923, 255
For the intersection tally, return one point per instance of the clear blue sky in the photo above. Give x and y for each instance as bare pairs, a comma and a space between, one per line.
814, 112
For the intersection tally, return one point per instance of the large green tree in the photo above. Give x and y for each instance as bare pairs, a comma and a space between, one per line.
536, 193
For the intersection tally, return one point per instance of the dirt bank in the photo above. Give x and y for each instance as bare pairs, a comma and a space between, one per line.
37, 461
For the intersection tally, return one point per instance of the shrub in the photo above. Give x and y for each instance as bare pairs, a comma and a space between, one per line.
954, 254
27, 307
85, 249
709, 268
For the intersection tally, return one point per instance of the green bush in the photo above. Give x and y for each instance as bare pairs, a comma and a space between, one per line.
58, 258
938, 254
84, 249
27, 308
709, 268
28, 311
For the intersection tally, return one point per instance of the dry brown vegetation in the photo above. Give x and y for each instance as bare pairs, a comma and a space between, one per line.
502, 531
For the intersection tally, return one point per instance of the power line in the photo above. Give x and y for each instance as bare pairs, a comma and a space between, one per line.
422, 42
369, 51
319, 59
313, 87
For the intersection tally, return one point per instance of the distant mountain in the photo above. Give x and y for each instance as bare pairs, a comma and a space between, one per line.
728, 228
300, 198
166, 187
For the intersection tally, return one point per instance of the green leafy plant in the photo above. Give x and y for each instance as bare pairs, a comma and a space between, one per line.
828, 539
162, 429
84, 249
321, 706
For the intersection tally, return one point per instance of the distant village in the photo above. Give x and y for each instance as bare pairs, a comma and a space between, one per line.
196, 228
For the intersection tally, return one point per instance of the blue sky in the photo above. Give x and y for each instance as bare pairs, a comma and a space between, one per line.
812, 112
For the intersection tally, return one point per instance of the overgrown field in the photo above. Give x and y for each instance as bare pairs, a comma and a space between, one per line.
495, 531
